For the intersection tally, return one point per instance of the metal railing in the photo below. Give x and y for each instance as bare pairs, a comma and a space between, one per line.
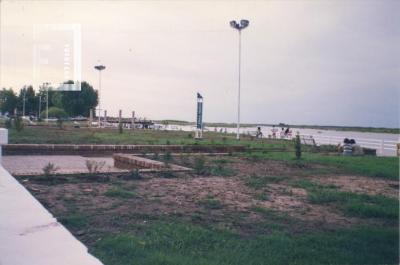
383, 147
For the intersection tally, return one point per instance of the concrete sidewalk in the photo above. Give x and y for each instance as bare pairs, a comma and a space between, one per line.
30, 235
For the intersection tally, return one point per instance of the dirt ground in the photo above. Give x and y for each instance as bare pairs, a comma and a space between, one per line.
221, 201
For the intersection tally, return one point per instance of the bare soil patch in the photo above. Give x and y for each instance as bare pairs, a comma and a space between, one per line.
224, 202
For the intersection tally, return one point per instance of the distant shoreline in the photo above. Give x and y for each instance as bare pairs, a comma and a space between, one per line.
317, 127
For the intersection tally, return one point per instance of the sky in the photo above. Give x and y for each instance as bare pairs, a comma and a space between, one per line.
303, 62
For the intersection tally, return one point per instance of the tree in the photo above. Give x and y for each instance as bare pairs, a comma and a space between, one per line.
54, 112
8, 101
31, 100
80, 102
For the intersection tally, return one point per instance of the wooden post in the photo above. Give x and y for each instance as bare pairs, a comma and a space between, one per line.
90, 118
105, 117
133, 120
120, 116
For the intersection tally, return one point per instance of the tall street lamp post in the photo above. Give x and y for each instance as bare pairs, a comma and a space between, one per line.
239, 26
99, 68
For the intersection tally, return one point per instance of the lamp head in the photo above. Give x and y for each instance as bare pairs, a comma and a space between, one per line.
234, 24
244, 23
100, 67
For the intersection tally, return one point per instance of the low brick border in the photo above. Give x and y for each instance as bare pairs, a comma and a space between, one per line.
72, 149
127, 161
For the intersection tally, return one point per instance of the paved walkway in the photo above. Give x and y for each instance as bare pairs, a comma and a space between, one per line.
30, 235
33, 165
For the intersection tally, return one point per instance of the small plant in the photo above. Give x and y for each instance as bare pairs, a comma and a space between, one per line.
134, 174
167, 142
60, 122
190, 136
18, 124
120, 128
262, 196
8, 123
185, 159
167, 157
220, 170
167, 173
49, 169
200, 165
155, 156
297, 146
211, 203
94, 166
119, 193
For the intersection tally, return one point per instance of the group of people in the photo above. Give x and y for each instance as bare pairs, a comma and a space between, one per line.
283, 134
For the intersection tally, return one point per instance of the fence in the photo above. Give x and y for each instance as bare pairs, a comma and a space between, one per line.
383, 147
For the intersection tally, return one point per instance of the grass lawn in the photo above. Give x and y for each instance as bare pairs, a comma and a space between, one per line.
54, 135
181, 243
381, 167
258, 207
245, 217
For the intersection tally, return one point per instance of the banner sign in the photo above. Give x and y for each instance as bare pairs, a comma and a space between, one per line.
199, 111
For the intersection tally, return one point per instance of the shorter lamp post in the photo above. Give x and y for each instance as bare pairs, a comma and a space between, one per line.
99, 68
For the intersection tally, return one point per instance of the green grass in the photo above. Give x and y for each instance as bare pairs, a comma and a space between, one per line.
259, 182
211, 203
53, 135
353, 204
360, 205
261, 196
382, 167
74, 220
118, 192
178, 243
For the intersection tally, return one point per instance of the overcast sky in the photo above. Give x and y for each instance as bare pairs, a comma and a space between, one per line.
303, 62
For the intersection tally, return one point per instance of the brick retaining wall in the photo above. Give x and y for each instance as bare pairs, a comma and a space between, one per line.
71, 149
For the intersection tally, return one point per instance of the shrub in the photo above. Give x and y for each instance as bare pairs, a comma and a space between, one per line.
54, 112
94, 166
8, 123
297, 146
49, 169
134, 174
199, 165
18, 124
185, 159
167, 157
120, 128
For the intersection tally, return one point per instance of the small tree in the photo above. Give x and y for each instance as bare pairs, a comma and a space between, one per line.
18, 123
297, 146
8, 123
120, 128
57, 113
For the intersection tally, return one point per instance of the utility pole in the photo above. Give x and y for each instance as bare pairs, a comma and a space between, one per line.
23, 102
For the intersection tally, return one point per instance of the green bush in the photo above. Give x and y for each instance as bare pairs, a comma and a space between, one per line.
199, 165
18, 124
54, 112
8, 123
297, 146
